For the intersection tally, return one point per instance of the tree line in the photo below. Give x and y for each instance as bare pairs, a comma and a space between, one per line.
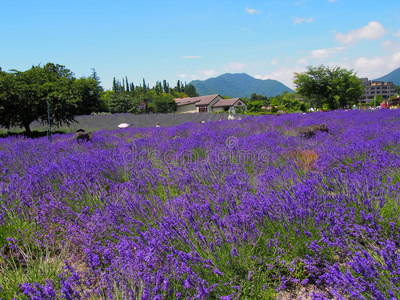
51, 93
288, 102
126, 97
319, 87
25, 96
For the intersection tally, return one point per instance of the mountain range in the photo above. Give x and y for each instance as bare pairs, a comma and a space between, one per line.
393, 76
239, 86
243, 85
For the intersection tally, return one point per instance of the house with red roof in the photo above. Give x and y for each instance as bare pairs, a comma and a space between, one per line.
209, 103
229, 105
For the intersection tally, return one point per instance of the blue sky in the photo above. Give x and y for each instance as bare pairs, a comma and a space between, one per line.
188, 40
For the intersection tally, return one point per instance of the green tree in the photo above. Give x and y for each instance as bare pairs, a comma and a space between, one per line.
24, 96
121, 102
264, 99
254, 106
164, 103
89, 93
190, 90
335, 87
165, 86
158, 88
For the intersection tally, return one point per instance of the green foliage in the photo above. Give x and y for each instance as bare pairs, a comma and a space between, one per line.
191, 91
24, 96
240, 110
274, 109
89, 94
263, 99
379, 99
336, 87
164, 103
288, 102
120, 102
254, 106
22, 259
125, 97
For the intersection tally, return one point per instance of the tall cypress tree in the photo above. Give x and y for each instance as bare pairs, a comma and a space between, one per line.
165, 86
144, 86
127, 84
115, 89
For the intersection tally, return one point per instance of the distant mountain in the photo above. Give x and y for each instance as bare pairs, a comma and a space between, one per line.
391, 77
239, 85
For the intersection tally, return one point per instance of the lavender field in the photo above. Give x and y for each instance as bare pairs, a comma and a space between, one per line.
111, 122
222, 210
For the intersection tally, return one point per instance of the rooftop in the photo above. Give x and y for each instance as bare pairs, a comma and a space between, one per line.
226, 102
202, 100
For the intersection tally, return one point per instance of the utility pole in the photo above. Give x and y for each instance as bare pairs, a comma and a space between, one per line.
48, 121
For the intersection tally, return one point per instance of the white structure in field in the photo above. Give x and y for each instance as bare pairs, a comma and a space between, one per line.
124, 125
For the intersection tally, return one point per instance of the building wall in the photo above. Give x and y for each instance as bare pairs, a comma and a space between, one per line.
375, 88
242, 104
217, 109
231, 108
189, 108
209, 106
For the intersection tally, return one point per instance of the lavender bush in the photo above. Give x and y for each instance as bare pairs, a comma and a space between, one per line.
222, 210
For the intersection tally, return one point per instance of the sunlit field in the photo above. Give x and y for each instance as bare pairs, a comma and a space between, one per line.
242, 209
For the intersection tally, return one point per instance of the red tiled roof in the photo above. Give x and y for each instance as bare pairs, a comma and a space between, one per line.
185, 101
226, 102
206, 100
200, 101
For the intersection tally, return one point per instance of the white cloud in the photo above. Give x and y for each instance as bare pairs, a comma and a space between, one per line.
377, 66
252, 11
388, 45
397, 34
191, 56
326, 53
332, 0
208, 73
274, 62
364, 64
182, 75
320, 54
302, 20
235, 66
372, 31
303, 61
284, 75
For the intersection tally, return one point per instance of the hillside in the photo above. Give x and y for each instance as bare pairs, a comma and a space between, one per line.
239, 85
393, 76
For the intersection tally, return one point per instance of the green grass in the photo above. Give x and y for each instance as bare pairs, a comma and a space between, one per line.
23, 259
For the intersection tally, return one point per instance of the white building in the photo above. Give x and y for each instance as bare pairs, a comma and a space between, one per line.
210, 103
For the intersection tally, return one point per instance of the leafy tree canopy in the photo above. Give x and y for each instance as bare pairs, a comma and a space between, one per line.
24, 96
126, 97
335, 87
89, 92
